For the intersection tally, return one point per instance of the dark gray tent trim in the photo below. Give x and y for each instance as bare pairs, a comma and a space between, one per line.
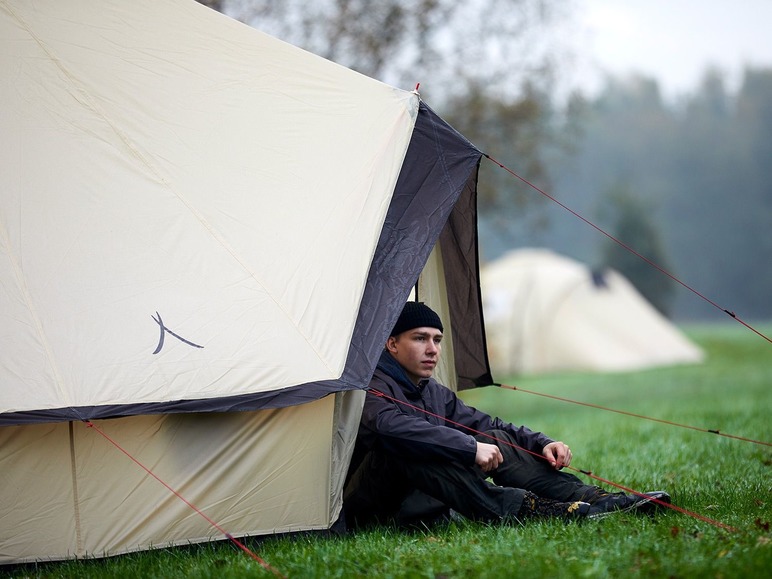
435, 198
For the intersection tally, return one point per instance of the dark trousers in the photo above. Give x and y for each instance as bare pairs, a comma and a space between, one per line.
380, 484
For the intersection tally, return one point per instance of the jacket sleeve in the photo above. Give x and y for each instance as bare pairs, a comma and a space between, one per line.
469, 416
396, 430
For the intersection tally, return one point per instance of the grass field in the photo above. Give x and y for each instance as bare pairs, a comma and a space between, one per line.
719, 478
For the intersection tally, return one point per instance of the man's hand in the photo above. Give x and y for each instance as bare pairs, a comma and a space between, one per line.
557, 453
488, 456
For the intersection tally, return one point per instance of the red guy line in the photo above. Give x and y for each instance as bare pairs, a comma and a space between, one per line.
711, 431
628, 248
718, 524
230, 537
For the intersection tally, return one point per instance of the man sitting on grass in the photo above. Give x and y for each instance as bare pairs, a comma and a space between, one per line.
412, 442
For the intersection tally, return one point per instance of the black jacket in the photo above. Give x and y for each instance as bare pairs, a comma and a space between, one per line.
415, 427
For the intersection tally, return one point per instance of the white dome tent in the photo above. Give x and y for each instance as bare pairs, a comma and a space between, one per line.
548, 313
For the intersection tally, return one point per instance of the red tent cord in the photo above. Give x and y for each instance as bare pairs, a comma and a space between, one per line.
628, 248
711, 431
230, 537
703, 518
718, 524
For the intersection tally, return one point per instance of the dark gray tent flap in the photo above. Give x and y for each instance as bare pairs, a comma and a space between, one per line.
462, 270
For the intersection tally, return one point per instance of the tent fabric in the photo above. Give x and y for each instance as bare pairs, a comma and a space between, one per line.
205, 237
548, 313
170, 203
254, 473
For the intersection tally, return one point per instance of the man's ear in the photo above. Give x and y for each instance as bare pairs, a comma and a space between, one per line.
391, 344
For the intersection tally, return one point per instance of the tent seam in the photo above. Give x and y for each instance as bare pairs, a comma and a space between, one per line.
75, 494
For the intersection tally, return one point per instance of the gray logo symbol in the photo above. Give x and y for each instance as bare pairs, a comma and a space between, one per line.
164, 330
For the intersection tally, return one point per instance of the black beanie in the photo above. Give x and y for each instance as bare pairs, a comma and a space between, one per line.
416, 315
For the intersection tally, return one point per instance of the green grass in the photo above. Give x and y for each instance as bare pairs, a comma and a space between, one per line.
719, 478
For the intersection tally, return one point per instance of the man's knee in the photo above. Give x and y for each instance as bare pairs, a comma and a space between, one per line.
495, 436
503, 439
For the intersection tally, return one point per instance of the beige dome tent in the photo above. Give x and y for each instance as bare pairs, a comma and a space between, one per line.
205, 237
547, 313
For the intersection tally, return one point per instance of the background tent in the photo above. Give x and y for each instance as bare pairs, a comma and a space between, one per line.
205, 237
545, 313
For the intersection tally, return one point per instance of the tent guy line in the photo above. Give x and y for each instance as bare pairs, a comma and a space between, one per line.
622, 244
177, 494
374, 392
681, 510
634, 415
588, 473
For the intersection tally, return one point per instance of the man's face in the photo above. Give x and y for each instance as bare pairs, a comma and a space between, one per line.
417, 351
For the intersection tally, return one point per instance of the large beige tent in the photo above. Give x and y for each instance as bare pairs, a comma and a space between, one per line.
545, 312
205, 236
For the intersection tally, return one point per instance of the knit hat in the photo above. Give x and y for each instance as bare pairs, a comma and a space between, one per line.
416, 315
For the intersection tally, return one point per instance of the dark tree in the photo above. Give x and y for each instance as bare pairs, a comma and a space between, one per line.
634, 225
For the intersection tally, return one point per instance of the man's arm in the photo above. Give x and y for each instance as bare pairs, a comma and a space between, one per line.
399, 431
479, 421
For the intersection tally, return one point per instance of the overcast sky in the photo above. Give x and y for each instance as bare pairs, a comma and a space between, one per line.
673, 41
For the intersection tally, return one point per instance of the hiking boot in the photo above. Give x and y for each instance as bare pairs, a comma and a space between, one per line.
538, 507
611, 503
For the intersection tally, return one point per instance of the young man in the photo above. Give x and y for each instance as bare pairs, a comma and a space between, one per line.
412, 442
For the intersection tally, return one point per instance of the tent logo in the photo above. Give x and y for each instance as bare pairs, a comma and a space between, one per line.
164, 329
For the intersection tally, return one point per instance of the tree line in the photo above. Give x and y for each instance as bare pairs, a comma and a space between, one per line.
687, 184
